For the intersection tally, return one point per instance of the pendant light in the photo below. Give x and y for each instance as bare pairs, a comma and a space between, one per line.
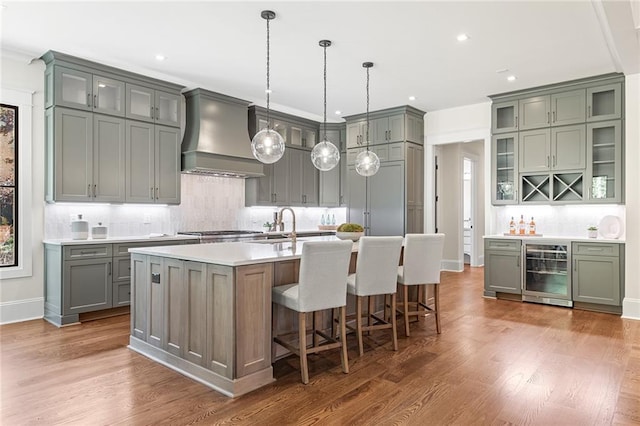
325, 156
367, 162
267, 145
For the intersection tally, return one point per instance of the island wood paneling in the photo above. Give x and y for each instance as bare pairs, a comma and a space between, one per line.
219, 318
194, 319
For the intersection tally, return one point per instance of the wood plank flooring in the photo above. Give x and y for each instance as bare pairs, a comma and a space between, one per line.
496, 362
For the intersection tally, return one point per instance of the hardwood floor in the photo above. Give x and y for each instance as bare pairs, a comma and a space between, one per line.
496, 362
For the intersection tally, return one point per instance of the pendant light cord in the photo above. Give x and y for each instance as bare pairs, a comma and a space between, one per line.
268, 87
367, 135
325, 94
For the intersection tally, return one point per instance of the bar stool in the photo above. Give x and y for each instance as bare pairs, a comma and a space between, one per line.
321, 285
376, 273
421, 266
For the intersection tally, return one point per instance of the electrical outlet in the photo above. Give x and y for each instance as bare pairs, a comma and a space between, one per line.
146, 218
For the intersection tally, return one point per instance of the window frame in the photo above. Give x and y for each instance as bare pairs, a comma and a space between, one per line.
24, 182
16, 185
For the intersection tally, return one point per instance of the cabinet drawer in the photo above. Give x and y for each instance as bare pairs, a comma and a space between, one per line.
596, 249
122, 249
503, 245
87, 251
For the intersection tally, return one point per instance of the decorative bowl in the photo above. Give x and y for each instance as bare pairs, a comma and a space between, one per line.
353, 236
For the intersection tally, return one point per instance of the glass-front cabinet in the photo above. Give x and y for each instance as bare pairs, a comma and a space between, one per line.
604, 102
547, 274
604, 157
89, 92
505, 171
151, 105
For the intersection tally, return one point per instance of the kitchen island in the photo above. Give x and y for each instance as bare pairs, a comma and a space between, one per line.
205, 310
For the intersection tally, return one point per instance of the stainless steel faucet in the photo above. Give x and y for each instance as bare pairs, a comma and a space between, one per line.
293, 215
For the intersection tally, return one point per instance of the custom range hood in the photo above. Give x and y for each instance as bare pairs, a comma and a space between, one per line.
216, 138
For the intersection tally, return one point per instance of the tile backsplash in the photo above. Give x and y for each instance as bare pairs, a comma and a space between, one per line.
208, 203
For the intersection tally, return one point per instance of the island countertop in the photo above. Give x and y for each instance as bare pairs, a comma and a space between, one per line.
546, 238
236, 253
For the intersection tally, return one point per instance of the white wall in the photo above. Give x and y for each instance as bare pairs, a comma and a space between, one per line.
22, 298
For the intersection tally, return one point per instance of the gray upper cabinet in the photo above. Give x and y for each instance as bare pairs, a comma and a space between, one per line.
89, 142
570, 143
86, 91
273, 188
568, 107
152, 163
330, 192
414, 129
504, 117
534, 112
303, 179
387, 129
356, 134
85, 156
154, 106
604, 102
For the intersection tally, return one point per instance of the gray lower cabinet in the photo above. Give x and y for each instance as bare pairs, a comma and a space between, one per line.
152, 163
89, 277
597, 273
502, 271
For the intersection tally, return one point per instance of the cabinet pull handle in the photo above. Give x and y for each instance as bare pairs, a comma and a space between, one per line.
151, 113
156, 192
589, 111
516, 120
554, 116
89, 100
548, 117
89, 190
157, 113
83, 252
151, 194
94, 190
518, 261
109, 268
95, 101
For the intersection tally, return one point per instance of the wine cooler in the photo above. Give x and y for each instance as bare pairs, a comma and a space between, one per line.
547, 274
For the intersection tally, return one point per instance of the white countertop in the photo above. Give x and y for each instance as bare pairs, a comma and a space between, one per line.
111, 240
546, 238
236, 253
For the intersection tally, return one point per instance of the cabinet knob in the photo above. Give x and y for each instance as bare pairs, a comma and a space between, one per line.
151, 193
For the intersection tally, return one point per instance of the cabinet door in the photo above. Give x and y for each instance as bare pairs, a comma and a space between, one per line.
108, 96
504, 117
568, 107
415, 174
281, 179
194, 321
596, 279
309, 181
534, 147
415, 130
87, 285
378, 130
296, 191
502, 272
309, 137
262, 187
73, 155
121, 294
504, 174
108, 159
140, 180
386, 200
534, 112
167, 165
354, 134
167, 108
175, 294
604, 162
140, 102
140, 295
568, 147
73, 88
356, 197
330, 192
156, 302
604, 102
396, 131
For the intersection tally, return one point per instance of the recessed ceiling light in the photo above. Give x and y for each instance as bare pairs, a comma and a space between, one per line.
412, 98
160, 57
463, 37
511, 78
338, 112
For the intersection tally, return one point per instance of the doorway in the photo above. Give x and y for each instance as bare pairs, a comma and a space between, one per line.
468, 202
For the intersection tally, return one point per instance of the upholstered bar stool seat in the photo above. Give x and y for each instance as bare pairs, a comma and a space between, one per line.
421, 267
321, 285
376, 273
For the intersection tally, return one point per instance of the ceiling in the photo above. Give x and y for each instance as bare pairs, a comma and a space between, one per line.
221, 46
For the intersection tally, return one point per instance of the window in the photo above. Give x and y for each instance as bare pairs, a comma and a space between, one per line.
8, 185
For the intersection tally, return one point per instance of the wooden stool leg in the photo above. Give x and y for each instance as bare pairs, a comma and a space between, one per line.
302, 337
420, 298
394, 324
334, 330
436, 296
359, 324
316, 338
405, 294
343, 340
370, 313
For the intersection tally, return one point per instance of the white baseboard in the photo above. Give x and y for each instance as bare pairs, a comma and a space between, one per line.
452, 265
631, 308
21, 310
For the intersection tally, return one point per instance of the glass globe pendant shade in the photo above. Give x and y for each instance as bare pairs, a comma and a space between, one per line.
367, 163
325, 156
267, 146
